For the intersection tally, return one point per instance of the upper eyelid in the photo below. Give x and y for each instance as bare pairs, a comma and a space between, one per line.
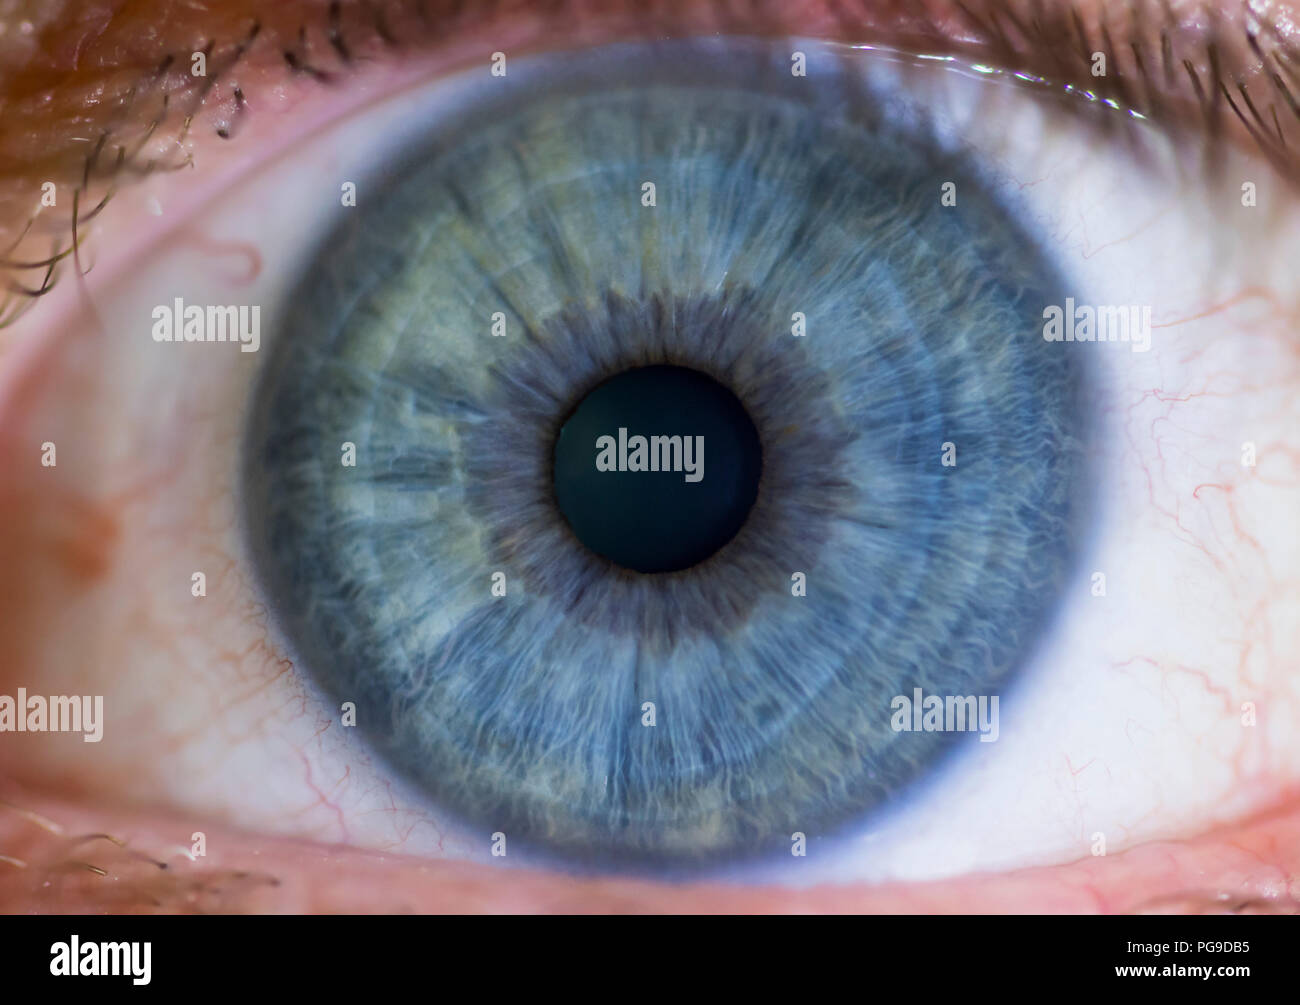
142, 110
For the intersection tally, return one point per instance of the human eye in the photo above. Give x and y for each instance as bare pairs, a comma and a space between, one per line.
989, 354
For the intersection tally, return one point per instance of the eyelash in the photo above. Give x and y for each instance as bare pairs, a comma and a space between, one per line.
1054, 45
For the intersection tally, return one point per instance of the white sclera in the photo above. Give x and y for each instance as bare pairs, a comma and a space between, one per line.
1128, 721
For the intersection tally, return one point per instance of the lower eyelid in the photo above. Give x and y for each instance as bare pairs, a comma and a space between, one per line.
57, 857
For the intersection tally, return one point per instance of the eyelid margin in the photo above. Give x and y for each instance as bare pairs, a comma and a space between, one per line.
147, 105
59, 858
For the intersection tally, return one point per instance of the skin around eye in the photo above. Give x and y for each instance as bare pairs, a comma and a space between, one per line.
80, 551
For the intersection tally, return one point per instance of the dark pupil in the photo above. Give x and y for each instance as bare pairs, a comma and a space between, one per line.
661, 520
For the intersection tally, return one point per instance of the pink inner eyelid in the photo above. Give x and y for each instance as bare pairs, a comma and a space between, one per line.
1248, 867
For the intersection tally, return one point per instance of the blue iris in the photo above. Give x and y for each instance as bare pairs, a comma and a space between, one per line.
523, 708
